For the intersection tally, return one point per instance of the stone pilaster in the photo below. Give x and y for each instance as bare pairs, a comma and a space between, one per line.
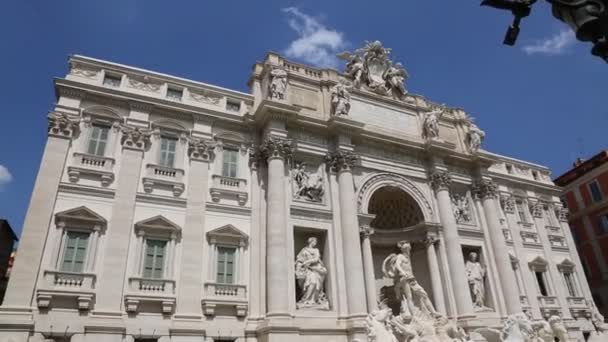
191, 279
343, 162
440, 182
20, 289
436, 284
487, 192
120, 230
276, 151
368, 267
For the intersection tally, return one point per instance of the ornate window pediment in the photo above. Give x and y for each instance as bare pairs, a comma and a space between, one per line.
80, 217
228, 235
158, 226
538, 264
566, 265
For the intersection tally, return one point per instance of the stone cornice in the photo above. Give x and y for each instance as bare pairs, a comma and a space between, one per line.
274, 110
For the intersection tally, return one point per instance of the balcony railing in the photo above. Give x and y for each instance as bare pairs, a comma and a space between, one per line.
228, 186
548, 301
88, 164
152, 286
554, 230
152, 291
163, 177
67, 284
225, 295
577, 302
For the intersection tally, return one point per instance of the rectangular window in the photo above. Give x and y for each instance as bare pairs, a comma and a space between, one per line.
596, 194
230, 162
225, 265
154, 258
510, 169
604, 224
540, 279
521, 212
233, 106
111, 81
167, 151
98, 140
175, 94
74, 252
569, 278
535, 175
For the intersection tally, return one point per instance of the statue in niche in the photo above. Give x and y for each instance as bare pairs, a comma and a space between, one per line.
462, 211
340, 98
430, 129
307, 186
278, 84
475, 137
476, 274
310, 276
412, 296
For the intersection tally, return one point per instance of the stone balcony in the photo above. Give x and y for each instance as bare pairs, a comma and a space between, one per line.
222, 186
549, 306
554, 230
88, 165
156, 291
226, 295
76, 286
530, 239
579, 307
164, 178
558, 242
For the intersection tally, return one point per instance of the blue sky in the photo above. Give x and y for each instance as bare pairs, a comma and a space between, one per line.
541, 101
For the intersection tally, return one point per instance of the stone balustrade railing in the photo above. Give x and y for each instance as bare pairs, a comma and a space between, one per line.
152, 286
69, 280
230, 186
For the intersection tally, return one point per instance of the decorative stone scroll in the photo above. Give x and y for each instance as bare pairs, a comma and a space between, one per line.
430, 126
341, 160
440, 180
62, 125
562, 214
536, 209
134, 137
199, 149
276, 147
507, 202
372, 67
366, 231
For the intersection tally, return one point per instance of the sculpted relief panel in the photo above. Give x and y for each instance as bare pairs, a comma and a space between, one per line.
307, 182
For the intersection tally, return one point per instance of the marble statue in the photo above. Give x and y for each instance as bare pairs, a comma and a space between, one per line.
278, 84
541, 329
601, 333
307, 186
516, 328
475, 137
340, 98
310, 276
413, 298
379, 325
559, 329
476, 274
460, 205
372, 67
430, 128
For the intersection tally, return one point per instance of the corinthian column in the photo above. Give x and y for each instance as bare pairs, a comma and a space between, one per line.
36, 225
440, 182
368, 267
436, 284
191, 279
487, 191
276, 150
343, 161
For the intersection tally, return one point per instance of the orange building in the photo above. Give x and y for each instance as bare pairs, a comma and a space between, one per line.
586, 196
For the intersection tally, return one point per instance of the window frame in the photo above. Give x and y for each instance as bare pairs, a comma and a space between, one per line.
113, 77
163, 267
227, 236
233, 274
596, 184
233, 165
163, 154
520, 208
157, 228
64, 251
174, 91
102, 127
539, 266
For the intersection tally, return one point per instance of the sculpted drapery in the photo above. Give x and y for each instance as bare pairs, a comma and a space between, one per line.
310, 276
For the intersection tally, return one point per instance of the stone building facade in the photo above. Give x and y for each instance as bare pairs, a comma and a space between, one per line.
166, 209
585, 192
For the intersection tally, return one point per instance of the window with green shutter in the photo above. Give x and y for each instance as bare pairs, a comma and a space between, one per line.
74, 252
225, 265
154, 258
230, 162
98, 140
167, 151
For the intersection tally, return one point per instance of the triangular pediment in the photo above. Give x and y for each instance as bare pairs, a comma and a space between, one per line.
158, 222
538, 261
81, 213
567, 263
227, 232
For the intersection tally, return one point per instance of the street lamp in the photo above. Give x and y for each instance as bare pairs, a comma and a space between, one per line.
587, 18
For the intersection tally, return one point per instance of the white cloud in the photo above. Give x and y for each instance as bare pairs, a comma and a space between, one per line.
555, 45
316, 44
5, 176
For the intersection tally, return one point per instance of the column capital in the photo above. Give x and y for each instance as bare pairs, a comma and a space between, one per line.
536, 209
366, 231
485, 188
134, 137
341, 160
440, 180
430, 240
62, 125
200, 149
276, 147
507, 202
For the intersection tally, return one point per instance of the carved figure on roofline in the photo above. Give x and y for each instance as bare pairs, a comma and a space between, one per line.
278, 84
340, 98
430, 129
310, 275
396, 75
475, 137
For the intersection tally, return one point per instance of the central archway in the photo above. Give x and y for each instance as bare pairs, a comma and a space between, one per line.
394, 209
